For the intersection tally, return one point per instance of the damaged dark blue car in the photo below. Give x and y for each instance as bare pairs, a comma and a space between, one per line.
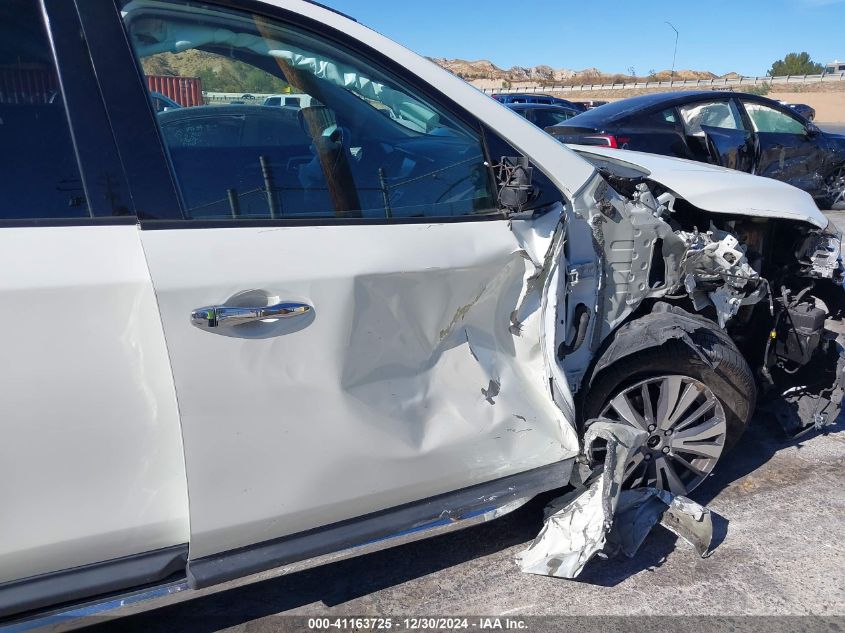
735, 130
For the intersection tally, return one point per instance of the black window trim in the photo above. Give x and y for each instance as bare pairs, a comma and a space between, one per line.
130, 111
152, 225
747, 125
101, 171
103, 26
112, 220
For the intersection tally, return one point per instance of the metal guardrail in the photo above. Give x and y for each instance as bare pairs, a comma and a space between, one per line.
227, 97
687, 83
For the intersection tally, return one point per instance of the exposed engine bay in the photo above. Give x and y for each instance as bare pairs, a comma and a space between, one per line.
774, 285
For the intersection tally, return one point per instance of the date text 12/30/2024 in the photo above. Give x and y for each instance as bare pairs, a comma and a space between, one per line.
416, 624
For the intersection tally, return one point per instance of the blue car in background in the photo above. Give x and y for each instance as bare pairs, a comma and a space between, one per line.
543, 115
536, 98
163, 102
808, 112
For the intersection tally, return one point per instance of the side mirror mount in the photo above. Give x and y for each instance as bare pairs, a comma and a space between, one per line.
514, 177
812, 130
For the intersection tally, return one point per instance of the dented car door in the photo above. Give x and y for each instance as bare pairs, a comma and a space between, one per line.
785, 150
382, 348
716, 133
401, 381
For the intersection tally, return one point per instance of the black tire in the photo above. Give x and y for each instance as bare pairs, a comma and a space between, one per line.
730, 378
835, 182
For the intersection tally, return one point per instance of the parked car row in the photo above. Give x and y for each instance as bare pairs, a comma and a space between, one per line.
746, 132
544, 99
590, 104
241, 336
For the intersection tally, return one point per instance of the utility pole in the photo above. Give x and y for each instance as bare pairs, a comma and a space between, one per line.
675, 54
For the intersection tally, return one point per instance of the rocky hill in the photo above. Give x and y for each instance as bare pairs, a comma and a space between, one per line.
486, 70
220, 74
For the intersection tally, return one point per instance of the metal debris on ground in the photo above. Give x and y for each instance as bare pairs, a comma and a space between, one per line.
598, 518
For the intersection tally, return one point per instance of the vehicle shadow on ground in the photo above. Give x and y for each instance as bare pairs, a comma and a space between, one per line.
342, 581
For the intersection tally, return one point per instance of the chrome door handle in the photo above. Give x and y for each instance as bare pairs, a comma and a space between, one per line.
226, 316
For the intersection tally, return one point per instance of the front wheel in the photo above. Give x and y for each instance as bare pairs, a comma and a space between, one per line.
692, 411
835, 190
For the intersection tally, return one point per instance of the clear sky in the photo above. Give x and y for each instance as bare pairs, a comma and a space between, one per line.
745, 36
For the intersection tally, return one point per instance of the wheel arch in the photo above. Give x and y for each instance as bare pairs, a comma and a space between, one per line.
665, 323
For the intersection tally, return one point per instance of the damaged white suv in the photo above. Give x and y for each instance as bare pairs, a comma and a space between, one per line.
239, 336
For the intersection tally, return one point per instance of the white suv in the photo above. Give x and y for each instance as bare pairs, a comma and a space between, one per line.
236, 337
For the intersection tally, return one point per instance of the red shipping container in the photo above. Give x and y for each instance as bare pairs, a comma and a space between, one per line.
186, 91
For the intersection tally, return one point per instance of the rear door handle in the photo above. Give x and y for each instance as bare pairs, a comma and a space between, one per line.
211, 317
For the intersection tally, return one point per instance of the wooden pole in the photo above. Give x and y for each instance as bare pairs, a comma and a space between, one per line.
331, 154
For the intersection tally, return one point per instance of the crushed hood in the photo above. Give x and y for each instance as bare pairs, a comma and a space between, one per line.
717, 189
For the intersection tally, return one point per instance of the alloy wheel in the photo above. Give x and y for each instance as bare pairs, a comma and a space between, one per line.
835, 186
686, 428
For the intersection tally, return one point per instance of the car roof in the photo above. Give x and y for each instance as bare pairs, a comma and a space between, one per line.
624, 107
539, 106
524, 94
328, 8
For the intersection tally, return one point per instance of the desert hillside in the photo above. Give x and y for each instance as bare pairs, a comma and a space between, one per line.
486, 72
218, 73
221, 74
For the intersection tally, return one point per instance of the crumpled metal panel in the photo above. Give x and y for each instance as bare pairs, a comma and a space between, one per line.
577, 524
719, 190
599, 518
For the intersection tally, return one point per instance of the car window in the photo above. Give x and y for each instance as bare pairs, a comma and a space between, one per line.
660, 119
767, 119
362, 144
39, 176
547, 118
666, 116
720, 114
